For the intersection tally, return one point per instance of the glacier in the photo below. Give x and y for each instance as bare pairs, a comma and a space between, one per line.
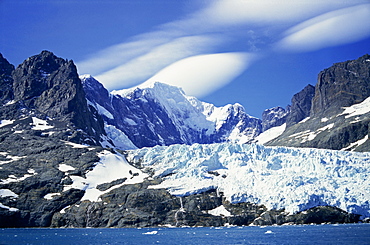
294, 179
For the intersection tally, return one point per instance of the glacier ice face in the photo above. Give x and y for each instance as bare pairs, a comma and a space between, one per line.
278, 177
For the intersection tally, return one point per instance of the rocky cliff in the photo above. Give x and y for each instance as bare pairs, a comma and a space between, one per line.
49, 87
334, 114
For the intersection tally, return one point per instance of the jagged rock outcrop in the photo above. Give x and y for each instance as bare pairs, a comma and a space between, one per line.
274, 117
29, 171
342, 85
300, 105
337, 118
6, 80
49, 87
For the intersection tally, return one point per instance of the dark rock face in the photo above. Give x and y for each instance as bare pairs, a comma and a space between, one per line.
49, 86
6, 80
342, 85
137, 206
274, 117
30, 169
140, 117
301, 105
316, 215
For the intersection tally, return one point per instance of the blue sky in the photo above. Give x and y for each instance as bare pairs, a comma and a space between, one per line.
254, 52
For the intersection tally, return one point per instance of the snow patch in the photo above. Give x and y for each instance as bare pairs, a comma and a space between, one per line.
12, 178
39, 124
65, 168
270, 134
324, 119
308, 135
357, 109
119, 139
130, 122
5, 122
9, 208
10, 102
220, 211
7, 193
104, 112
110, 167
75, 145
356, 144
50, 196
304, 120
11, 158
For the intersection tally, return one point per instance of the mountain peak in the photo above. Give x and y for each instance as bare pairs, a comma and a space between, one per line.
6, 80
47, 85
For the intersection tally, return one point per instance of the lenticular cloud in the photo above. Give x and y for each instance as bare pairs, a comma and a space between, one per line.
330, 29
202, 74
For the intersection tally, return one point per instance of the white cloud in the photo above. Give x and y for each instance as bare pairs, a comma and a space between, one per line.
330, 29
262, 12
143, 67
118, 54
203, 74
221, 22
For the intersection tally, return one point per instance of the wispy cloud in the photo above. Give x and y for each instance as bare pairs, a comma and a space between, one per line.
144, 66
208, 32
331, 29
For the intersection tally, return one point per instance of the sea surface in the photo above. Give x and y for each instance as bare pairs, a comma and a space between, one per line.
298, 234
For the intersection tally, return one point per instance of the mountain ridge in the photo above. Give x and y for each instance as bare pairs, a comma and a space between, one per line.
167, 116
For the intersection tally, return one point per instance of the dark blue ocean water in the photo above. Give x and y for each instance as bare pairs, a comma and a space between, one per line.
303, 234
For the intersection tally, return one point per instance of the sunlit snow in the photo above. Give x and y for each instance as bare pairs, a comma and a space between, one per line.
270, 134
5, 122
356, 144
9, 208
220, 211
11, 158
50, 196
7, 193
308, 135
110, 167
119, 139
357, 109
75, 145
65, 168
13, 178
39, 124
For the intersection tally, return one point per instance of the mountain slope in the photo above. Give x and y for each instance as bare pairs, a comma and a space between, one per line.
49, 88
160, 114
331, 121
